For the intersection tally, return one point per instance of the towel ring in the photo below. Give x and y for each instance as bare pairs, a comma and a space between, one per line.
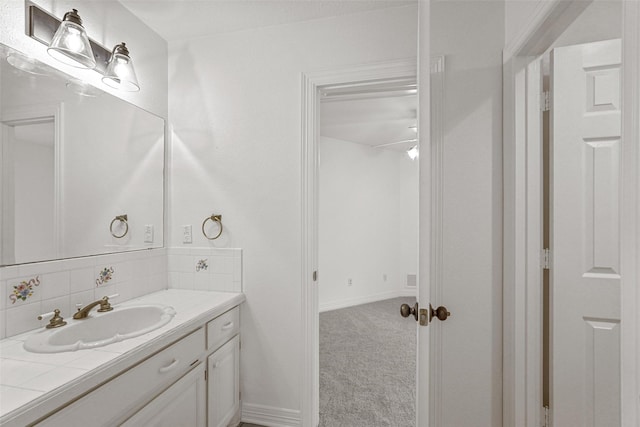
213, 218
122, 219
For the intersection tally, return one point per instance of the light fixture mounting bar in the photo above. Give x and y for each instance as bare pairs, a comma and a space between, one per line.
41, 26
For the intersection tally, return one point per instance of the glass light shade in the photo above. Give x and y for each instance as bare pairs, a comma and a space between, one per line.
120, 73
26, 64
413, 152
70, 44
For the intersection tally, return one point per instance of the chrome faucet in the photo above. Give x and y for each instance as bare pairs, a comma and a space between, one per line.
83, 313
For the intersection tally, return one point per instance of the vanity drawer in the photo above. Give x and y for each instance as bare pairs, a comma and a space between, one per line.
118, 398
223, 327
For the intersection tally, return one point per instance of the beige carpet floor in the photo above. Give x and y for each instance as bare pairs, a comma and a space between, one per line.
367, 366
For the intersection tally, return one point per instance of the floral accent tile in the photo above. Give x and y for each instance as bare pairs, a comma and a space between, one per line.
24, 290
202, 264
105, 276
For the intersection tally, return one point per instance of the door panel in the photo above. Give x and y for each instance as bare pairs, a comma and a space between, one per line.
585, 236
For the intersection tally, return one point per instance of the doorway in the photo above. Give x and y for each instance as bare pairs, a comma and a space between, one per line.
368, 244
577, 129
581, 129
31, 174
312, 84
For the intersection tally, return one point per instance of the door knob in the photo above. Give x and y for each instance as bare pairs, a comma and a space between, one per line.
441, 313
406, 310
421, 316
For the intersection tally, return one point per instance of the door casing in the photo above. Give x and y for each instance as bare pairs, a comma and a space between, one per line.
28, 114
311, 85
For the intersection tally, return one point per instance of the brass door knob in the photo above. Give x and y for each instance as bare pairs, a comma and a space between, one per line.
441, 313
406, 310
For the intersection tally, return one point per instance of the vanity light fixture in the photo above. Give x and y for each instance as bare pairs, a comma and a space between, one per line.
70, 44
120, 73
67, 41
413, 152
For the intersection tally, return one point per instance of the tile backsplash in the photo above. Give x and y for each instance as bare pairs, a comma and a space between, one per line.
205, 269
31, 289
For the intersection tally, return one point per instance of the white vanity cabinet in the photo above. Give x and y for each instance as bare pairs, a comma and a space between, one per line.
193, 382
224, 383
116, 400
223, 366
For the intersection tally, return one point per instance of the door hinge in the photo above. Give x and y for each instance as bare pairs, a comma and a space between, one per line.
546, 421
315, 276
545, 101
205, 374
546, 259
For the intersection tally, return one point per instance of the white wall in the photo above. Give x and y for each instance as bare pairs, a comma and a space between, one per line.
235, 109
409, 219
471, 36
517, 14
601, 20
363, 223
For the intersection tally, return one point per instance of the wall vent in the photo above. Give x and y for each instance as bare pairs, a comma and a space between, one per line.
411, 280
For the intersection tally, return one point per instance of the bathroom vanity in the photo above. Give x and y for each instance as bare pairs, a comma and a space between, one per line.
184, 373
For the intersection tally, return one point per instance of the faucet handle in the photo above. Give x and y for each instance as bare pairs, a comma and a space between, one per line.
104, 303
56, 321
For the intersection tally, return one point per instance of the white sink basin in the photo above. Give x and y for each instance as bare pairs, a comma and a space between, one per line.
101, 329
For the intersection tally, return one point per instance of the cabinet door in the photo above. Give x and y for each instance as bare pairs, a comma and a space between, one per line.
181, 405
224, 383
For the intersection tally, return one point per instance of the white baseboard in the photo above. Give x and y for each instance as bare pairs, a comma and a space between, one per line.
409, 292
269, 416
350, 302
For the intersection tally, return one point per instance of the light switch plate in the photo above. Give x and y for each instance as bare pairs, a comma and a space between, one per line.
187, 237
148, 233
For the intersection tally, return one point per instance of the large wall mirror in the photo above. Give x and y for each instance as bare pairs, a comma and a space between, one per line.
81, 170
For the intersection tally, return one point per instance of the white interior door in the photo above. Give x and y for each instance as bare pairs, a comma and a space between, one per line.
585, 235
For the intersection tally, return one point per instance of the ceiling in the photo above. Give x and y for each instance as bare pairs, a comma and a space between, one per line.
184, 19
378, 118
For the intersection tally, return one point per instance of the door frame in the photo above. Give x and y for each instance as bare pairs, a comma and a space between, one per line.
34, 114
312, 83
522, 335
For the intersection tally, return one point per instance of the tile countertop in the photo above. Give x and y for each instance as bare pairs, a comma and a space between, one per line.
34, 384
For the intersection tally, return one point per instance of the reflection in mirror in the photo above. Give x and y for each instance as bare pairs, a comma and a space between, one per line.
73, 159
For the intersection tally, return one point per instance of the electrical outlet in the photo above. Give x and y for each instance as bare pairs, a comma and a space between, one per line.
148, 233
349, 282
187, 237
